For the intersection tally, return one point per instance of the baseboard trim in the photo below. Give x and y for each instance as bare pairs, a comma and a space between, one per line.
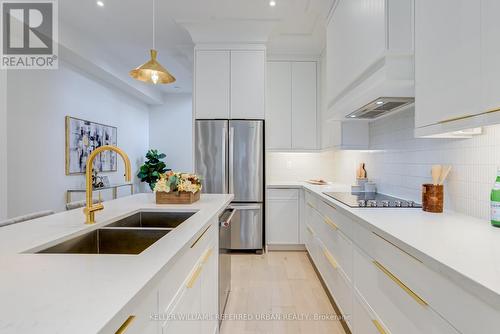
286, 247
330, 297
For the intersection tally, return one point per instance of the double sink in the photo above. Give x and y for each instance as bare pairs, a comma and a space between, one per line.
130, 235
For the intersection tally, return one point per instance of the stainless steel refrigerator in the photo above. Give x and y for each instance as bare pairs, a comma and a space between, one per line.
229, 157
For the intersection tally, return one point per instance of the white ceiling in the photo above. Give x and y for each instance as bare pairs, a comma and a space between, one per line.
123, 28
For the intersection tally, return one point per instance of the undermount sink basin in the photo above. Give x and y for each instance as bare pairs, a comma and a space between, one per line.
109, 241
153, 220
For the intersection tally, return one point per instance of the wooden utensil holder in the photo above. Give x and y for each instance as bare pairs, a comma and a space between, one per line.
432, 198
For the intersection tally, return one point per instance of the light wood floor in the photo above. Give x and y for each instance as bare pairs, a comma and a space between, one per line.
282, 283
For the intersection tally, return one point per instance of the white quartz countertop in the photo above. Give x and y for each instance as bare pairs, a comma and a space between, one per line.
463, 248
76, 293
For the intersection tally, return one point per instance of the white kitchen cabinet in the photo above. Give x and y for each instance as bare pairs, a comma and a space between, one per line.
447, 60
400, 310
457, 72
212, 84
139, 321
248, 84
282, 217
209, 290
363, 317
229, 84
279, 105
304, 109
490, 51
291, 100
187, 303
197, 296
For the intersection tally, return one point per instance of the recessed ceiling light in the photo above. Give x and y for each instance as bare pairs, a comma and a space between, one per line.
272, 3
100, 3
380, 102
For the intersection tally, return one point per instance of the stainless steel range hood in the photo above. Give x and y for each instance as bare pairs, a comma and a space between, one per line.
380, 107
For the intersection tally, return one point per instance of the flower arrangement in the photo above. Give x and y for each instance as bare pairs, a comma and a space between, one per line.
178, 182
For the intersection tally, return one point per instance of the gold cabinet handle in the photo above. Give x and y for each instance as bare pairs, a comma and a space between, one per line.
310, 230
207, 255
396, 280
330, 222
330, 258
201, 236
379, 327
194, 277
123, 328
310, 205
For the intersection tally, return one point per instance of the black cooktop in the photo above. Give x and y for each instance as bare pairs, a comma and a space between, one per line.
371, 200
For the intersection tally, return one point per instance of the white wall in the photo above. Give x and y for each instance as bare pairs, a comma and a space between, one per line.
171, 131
37, 105
299, 166
400, 164
3, 144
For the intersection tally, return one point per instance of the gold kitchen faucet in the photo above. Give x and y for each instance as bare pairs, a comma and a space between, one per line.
91, 208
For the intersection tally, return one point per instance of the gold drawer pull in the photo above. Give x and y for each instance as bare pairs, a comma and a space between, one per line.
330, 222
311, 205
330, 258
401, 284
201, 236
207, 255
194, 277
310, 230
123, 328
379, 327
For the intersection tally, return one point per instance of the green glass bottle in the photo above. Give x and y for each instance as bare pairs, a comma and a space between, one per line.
495, 202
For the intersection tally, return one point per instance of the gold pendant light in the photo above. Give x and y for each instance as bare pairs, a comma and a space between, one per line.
152, 71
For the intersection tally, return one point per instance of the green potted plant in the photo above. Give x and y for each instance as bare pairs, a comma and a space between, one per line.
151, 170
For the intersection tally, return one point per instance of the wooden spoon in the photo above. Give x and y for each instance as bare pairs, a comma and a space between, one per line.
444, 174
436, 173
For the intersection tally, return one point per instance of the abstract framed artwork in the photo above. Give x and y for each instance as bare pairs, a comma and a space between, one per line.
82, 137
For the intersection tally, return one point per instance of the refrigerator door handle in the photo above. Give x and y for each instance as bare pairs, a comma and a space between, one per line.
245, 207
231, 159
224, 159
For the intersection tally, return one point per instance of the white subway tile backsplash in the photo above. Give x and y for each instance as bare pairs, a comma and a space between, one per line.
400, 163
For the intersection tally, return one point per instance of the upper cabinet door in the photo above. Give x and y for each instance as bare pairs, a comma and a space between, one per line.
448, 60
490, 53
304, 100
247, 84
279, 105
212, 84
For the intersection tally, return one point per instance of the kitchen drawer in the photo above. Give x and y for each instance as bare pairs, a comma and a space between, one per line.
333, 238
185, 303
139, 321
311, 200
312, 245
184, 263
365, 320
283, 194
336, 218
399, 308
443, 295
336, 281
331, 213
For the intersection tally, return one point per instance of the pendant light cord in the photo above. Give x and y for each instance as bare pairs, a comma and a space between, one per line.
154, 24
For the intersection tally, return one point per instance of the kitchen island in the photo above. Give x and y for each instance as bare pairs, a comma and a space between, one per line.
100, 293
